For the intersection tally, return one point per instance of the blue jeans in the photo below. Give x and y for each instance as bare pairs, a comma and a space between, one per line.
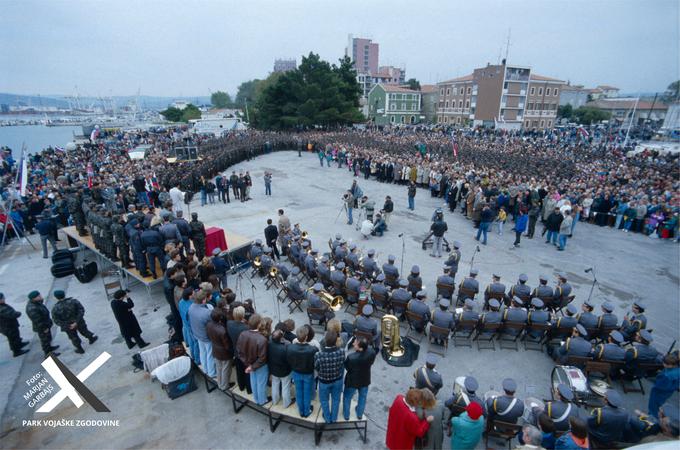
349, 216
321, 161
328, 162
207, 361
411, 203
204, 197
347, 400
303, 392
258, 383
628, 224
577, 217
191, 342
563, 241
267, 189
333, 389
483, 229
551, 237
617, 224
143, 198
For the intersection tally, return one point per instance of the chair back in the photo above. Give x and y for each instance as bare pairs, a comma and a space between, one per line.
516, 326
351, 296
464, 292
379, 300
391, 281
445, 291
439, 332
318, 312
466, 325
541, 327
503, 430
559, 333
578, 361
338, 288
414, 319
489, 328
364, 334
414, 286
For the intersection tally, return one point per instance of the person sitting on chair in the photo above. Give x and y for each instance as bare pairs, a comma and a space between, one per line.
417, 306
314, 301
379, 226
442, 318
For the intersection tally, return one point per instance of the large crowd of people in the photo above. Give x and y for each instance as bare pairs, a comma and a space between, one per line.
133, 210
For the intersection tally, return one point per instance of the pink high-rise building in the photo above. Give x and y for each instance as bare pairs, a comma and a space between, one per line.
364, 54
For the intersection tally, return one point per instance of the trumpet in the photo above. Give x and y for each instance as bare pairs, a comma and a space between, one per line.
389, 336
334, 302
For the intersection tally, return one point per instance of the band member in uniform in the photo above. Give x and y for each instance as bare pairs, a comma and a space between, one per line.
378, 287
338, 275
352, 259
417, 306
641, 352
324, 272
506, 408
447, 282
427, 377
443, 318
632, 323
576, 345
400, 298
543, 290
389, 269
465, 396
341, 252
520, 289
492, 316
611, 350
334, 244
295, 291
454, 259
310, 263
469, 283
537, 316
607, 424
563, 289
314, 301
496, 287
561, 409
366, 324
586, 316
369, 266
415, 283
608, 319
515, 314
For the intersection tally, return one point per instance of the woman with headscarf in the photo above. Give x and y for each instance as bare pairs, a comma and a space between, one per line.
467, 428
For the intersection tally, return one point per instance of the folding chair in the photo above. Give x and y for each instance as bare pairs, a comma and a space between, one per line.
380, 303
442, 334
294, 303
535, 343
486, 334
351, 299
464, 293
578, 361
445, 291
501, 430
643, 370
505, 337
563, 304
462, 334
392, 281
319, 312
414, 321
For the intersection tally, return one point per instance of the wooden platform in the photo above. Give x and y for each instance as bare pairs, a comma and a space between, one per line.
87, 242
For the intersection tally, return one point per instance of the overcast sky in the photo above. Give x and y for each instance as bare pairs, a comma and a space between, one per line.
173, 48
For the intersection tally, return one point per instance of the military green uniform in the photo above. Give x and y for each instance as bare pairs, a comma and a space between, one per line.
120, 242
74, 203
198, 237
42, 324
9, 326
68, 311
107, 237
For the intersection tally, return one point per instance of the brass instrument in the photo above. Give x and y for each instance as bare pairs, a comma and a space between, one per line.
389, 336
273, 272
304, 235
257, 262
334, 302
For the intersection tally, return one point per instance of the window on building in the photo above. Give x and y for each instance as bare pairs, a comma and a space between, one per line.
448, 91
403, 106
413, 119
455, 91
549, 123
530, 106
403, 119
505, 85
460, 103
393, 106
469, 90
467, 104
535, 123
531, 92
458, 120
441, 91
542, 123
556, 92
547, 91
540, 91
391, 119
526, 124
447, 104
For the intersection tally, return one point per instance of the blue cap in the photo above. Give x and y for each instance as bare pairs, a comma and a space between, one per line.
421, 294
537, 303
608, 307
403, 283
338, 237
324, 259
340, 265
617, 336
317, 287
444, 302
432, 359
494, 303
581, 330
474, 272
517, 300
471, 384
562, 275
469, 303
639, 304
391, 258
457, 244
415, 269
542, 278
371, 252
509, 385
367, 310
613, 398
258, 241
352, 246
295, 271
571, 309
646, 335
269, 250
523, 277
565, 391
588, 303
380, 277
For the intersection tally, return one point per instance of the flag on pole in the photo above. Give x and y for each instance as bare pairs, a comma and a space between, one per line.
90, 175
24, 173
454, 144
59, 149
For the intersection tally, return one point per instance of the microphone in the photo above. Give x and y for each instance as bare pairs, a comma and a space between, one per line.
588, 270
401, 235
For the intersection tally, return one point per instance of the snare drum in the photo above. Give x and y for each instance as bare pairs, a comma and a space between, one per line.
572, 377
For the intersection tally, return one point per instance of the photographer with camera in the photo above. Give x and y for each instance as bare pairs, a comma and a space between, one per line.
438, 228
348, 198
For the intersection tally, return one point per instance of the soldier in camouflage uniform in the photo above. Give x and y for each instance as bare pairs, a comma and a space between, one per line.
74, 203
9, 326
68, 314
42, 324
107, 237
120, 240
198, 235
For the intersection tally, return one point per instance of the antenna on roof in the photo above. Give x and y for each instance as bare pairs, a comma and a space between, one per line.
507, 46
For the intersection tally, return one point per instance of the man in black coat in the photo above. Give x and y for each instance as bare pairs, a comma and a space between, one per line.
552, 224
271, 234
279, 369
9, 326
358, 377
41, 321
129, 327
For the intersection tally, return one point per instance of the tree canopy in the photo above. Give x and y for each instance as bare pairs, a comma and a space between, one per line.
586, 115
672, 93
221, 99
413, 84
316, 93
173, 114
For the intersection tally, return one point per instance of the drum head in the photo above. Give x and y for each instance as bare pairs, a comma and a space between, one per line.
599, 387
491, 394
532, 402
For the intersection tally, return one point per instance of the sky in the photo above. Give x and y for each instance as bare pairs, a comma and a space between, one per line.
189, 48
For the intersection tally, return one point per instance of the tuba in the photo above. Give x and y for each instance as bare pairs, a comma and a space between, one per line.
304, 235
389, 335
257, 262
334, 303
273, 272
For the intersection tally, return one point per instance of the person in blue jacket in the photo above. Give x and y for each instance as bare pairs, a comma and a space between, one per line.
667, 382
520, 225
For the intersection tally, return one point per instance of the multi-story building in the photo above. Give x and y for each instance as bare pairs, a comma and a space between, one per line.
364, 53
429, 95
500, 96
393, 105
386, 75
574, 95
604, 91
623, 109
284, 65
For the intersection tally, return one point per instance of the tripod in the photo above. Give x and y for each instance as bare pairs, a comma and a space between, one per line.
472, 260
343, 208
592, 286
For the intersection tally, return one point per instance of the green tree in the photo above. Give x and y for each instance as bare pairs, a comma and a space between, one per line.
316, 93
672, 93
587, 115
565, 111
413, 84
173, 114
220, 99
246, 93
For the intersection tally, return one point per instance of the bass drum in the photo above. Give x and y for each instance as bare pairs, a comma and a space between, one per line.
572, 377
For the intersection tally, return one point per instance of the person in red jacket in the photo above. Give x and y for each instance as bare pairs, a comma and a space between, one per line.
403, 424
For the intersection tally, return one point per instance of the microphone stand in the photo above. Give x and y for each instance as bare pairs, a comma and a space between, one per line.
592, 287
403, 249
472, 260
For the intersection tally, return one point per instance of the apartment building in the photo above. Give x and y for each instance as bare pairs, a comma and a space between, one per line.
364, 53
393, 105
500, 96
